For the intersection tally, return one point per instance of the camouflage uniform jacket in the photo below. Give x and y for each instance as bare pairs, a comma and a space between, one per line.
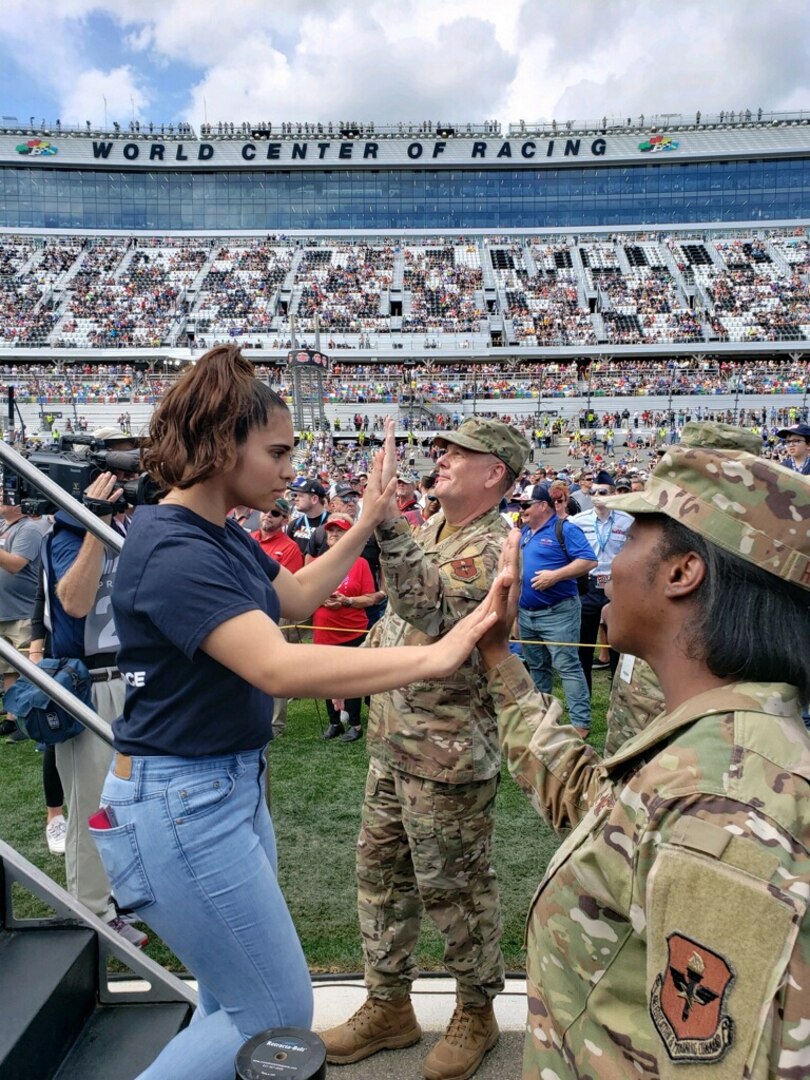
670, 936
635, 698
443, 730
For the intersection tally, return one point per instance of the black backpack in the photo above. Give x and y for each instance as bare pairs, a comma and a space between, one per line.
582, 581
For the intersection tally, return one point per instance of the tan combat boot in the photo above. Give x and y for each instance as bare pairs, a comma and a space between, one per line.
471, 1033
377, 1025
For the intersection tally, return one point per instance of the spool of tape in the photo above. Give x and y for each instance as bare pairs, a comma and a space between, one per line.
282, 1054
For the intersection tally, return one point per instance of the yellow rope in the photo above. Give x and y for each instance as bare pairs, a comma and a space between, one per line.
514, 641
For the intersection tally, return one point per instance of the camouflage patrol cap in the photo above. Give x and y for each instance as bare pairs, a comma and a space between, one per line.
751, 507
699, 433
490, 437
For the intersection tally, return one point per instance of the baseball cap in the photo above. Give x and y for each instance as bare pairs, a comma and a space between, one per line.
283, 506
342, 490
747, 505
538, 493
309, 487
338, 523
407, 478
490, 437
803, 430
623, 483
110, 434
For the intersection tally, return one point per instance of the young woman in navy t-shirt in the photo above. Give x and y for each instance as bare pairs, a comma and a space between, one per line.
196, 603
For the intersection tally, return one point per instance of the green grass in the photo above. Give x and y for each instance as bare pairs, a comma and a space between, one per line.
316, 794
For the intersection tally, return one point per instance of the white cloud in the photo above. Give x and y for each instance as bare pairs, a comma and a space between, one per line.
121, 87
627, 57
349, 68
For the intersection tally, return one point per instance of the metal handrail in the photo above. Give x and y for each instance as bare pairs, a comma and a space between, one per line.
12, 459
158, 984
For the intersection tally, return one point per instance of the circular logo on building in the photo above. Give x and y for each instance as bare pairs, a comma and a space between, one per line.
656, 143
36, 148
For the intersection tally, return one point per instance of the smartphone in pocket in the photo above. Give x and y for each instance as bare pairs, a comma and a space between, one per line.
104, 818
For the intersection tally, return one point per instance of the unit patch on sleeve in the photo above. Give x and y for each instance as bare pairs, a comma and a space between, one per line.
466, 569
687, 1002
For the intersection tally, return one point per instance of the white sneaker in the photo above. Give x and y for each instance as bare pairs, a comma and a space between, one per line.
55, 834
128, 932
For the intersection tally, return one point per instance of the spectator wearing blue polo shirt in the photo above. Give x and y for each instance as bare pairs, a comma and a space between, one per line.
554, 553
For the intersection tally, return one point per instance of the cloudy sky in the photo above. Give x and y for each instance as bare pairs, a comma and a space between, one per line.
454, 60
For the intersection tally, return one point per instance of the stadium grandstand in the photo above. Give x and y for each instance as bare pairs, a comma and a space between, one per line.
439, 265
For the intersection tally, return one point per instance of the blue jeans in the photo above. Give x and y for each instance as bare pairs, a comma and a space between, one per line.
558, 623
193, 852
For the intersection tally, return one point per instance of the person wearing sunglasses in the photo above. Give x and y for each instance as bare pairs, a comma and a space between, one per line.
273, 539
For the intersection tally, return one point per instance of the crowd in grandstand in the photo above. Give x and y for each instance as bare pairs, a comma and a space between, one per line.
442, 384
147, 292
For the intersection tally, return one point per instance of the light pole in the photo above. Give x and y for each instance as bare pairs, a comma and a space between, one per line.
409, 365
736, 397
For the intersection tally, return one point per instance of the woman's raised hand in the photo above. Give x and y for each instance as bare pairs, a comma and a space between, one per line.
505, 594
379, 498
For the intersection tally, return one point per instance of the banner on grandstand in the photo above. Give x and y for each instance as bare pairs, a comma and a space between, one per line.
307, 358
289, 152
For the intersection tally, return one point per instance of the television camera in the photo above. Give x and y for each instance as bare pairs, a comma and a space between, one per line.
73, 463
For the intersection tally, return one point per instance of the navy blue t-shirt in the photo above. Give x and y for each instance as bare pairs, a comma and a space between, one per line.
179, 577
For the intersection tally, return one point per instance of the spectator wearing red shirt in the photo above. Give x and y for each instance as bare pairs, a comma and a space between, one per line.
342, 621
274, 541
406, 499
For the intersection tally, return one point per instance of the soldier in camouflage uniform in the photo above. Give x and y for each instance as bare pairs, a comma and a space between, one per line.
670, 936
635, 696
427, 819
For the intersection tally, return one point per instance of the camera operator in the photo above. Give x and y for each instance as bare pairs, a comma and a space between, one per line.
80, 573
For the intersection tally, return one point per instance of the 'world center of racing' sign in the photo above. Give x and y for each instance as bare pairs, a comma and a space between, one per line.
55, 150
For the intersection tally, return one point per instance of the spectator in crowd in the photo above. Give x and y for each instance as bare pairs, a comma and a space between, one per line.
797, 444
426, 485
565, 505
20, 544
427, 818
708, 801
555, 552
581, 490
638, 482
273, 540
345, 500
605, 530
272, 537
309, 498
55, 822
407, 503
432, 506
196, 602
341, 620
